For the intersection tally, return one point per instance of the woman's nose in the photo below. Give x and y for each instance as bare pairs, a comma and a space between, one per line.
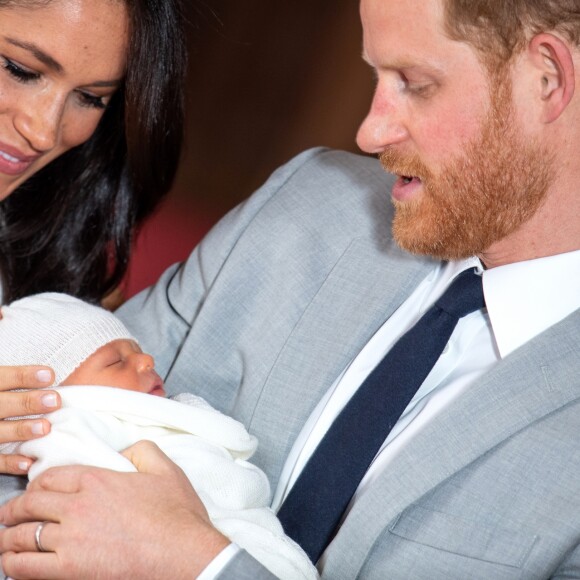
40, 122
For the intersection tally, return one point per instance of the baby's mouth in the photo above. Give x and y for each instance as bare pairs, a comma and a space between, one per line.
158, 386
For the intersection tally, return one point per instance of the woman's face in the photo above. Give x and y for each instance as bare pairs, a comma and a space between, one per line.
59, 66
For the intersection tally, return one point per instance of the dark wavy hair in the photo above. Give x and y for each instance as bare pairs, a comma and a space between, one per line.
69, 228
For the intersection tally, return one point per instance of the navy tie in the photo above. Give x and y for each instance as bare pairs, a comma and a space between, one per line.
314, 507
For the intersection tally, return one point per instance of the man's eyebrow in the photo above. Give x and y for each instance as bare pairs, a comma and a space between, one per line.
402, 64
37, 53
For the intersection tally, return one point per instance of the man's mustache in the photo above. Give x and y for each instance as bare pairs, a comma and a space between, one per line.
409, 165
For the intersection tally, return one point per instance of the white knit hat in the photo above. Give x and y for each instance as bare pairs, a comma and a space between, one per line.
55, 330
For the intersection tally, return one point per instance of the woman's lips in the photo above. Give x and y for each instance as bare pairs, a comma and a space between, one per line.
13, 161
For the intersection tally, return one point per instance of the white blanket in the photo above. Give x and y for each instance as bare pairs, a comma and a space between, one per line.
95, 423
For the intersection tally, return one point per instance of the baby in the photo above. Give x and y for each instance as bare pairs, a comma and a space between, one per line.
107, 407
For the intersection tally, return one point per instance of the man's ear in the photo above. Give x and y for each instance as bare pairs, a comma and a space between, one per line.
554, 69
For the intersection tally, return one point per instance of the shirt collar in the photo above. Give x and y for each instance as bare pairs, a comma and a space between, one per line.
525, 298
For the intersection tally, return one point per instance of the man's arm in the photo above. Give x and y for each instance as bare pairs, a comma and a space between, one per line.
570, 568
161, 316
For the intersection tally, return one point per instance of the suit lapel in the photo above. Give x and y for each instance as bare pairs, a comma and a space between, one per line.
363, 289
534, 381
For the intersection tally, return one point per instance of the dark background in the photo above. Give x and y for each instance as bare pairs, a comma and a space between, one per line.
268, 79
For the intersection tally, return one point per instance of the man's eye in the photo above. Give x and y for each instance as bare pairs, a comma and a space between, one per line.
419, 89
115, 362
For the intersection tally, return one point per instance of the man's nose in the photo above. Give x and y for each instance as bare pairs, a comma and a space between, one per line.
382, 126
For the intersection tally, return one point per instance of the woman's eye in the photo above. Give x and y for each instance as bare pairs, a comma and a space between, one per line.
19, 73
93, 101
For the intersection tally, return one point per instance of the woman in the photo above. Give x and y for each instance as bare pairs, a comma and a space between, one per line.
91, 114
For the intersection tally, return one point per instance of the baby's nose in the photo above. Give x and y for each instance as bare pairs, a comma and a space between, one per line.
146, 362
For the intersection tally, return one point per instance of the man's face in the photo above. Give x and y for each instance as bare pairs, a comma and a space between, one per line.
468, 176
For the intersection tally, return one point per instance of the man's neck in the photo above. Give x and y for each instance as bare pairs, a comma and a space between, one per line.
554, 229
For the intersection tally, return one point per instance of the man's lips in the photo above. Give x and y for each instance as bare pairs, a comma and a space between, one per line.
406, 187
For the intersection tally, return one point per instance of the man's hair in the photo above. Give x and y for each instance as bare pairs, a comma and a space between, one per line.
499, 29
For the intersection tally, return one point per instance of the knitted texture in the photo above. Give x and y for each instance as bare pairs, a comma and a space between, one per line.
55, 330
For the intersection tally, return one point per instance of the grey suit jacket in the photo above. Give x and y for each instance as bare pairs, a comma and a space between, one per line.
277, 300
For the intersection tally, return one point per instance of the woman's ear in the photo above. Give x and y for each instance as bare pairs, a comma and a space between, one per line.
553, 66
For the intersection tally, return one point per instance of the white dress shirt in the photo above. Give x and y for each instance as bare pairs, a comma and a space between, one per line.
522, 300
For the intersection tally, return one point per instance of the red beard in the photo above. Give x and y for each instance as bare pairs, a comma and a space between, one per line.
479, 197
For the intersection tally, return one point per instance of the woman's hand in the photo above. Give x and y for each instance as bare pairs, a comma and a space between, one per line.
23, 403
104, 524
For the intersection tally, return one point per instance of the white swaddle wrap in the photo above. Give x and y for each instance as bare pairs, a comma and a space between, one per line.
95, 423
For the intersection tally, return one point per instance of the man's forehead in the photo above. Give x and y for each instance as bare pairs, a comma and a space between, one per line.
403, 11
399, 39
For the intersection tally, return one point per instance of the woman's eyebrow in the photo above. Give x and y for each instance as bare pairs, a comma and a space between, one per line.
53, 64
37, 53
113, 83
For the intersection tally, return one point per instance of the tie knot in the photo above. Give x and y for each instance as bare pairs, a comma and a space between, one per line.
464, 295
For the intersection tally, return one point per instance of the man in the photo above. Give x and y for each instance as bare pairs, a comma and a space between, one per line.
282, 312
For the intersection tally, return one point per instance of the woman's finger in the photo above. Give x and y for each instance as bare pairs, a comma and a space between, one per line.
15, 464
23, 429
24, 403
25, 377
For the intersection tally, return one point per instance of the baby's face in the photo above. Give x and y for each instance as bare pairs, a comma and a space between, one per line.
121, 364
